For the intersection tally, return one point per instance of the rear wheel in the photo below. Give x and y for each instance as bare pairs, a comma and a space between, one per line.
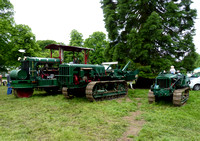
23, 93
196, 87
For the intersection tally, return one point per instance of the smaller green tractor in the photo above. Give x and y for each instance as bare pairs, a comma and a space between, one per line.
175, 86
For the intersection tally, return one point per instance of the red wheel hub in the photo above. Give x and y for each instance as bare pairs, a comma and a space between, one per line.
24, 92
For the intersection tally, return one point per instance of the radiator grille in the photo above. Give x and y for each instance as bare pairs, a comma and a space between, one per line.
163, 83
63, 75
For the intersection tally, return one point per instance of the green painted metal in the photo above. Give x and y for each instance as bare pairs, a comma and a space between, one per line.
42, 60
83, 71
22, 84
47, 73
166, 83
67, 72
18, 74
48, 83
30, 72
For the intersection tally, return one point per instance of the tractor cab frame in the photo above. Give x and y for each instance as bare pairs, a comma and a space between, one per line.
73, 49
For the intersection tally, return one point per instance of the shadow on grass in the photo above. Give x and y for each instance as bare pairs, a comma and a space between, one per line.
44, 94
165, 101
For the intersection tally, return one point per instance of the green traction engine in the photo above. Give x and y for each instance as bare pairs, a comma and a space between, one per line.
73, 79
175, 86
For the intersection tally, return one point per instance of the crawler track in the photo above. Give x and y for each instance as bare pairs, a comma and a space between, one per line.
151, 97
180, 96
105, 90
67, 93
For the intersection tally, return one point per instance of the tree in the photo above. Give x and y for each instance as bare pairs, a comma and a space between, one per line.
98, 42
43, 43
13, 37
76, 40
45, 52
22, 38
152, 33
6, 24
190, 61
197, 62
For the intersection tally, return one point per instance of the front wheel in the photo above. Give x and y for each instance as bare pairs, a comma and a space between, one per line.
23, 93
196, 87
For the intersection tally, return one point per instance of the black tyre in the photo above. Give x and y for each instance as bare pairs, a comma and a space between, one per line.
196, 87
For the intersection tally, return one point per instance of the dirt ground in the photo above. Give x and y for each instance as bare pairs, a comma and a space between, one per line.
134, 125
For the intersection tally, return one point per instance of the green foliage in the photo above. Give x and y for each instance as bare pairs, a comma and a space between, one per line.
6, 25
43, 43
13, 37
76, 40
98, 42
197, 62
22, 38
46, 52
189, 62
153, 34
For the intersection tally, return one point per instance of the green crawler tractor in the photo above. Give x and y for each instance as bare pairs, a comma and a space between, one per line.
175, 86
73, 79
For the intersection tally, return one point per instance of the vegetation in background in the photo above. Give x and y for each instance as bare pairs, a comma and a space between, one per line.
13, 37
46, 52
150, 33
6, 24
98, 42
76, 39
197, 62
22, 38
43, 43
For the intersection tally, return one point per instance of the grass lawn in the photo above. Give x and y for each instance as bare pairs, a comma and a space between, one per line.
52, 117
166, 122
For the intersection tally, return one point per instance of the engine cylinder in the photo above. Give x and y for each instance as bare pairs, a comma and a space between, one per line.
18, 74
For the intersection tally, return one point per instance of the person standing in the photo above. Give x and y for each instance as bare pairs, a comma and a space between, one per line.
0, 80
172, 70
8, 79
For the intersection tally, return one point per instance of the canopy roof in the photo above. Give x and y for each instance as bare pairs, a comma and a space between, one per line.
67, 48
166, 75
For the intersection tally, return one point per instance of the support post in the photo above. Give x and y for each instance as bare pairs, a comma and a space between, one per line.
86, 56
51, 53
61, 55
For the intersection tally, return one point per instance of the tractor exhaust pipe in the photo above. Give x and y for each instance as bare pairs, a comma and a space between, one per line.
124, 69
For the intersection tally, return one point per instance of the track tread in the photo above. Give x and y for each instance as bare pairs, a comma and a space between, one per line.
151, 97
66, 93
91, 85
178, 99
